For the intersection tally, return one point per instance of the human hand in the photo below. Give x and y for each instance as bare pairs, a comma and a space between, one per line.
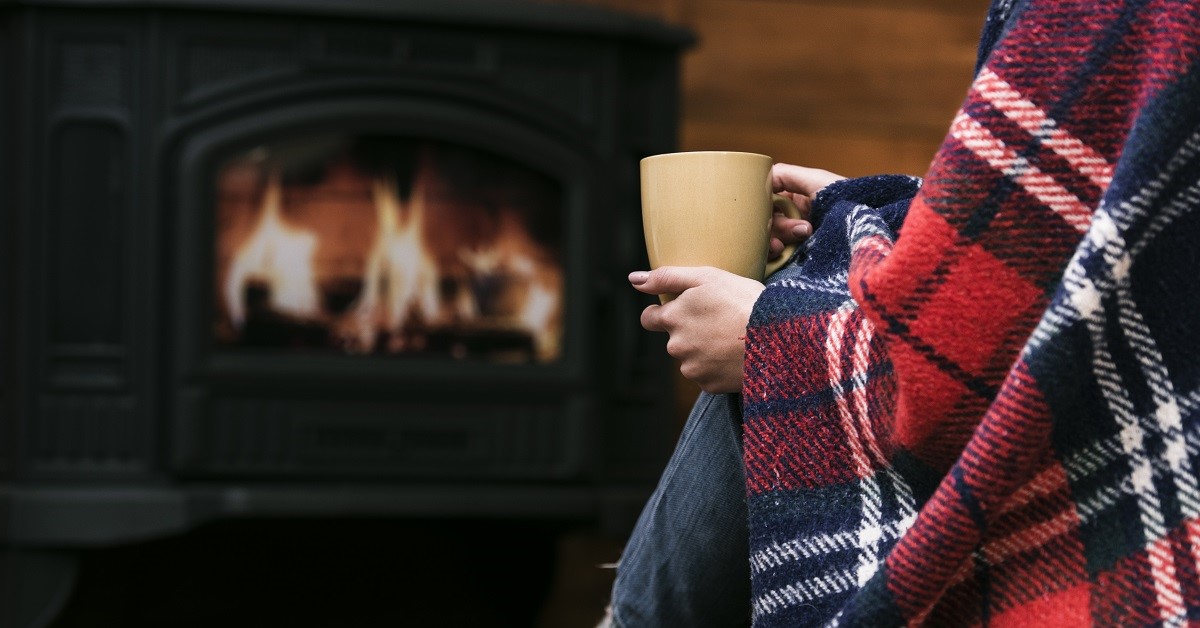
706, 322
799, 184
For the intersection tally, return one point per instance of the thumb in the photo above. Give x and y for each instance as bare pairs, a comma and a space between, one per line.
670, 279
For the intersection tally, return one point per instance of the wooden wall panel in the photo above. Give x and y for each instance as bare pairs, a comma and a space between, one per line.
853, 86
855, 89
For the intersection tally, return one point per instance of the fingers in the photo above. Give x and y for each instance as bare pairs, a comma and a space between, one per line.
671, 279
800, 180
802, 203
790, 230
774, 249
651, 318
799, 184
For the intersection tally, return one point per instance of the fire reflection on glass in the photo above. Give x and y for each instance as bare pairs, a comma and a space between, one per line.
382, 245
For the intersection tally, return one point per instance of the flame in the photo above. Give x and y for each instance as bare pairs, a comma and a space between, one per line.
279, 256
515, 257
541, 312
401, 275
442, 266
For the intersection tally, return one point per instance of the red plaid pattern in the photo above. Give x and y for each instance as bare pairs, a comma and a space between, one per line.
997, 419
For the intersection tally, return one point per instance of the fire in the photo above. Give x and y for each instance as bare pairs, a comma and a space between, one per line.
357, 266
401, 275
513, 257
278, 256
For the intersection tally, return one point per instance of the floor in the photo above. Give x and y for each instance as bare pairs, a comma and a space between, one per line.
350, 574
583, 579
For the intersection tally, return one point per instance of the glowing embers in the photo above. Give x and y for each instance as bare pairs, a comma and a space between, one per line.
388, 246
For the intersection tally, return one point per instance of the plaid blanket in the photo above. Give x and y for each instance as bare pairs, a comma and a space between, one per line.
977, 398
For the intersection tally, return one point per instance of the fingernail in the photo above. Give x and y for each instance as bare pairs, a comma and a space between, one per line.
638, 277
802, 230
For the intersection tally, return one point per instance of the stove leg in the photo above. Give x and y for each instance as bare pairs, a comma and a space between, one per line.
35, 585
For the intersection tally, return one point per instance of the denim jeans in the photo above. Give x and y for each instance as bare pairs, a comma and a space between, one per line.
687, 561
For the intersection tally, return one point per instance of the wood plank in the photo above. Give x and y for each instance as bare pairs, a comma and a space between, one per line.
822, 66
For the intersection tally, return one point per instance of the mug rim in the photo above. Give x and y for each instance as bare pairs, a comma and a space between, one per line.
705, 152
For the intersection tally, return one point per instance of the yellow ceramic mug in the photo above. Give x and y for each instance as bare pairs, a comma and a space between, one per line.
711, 208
